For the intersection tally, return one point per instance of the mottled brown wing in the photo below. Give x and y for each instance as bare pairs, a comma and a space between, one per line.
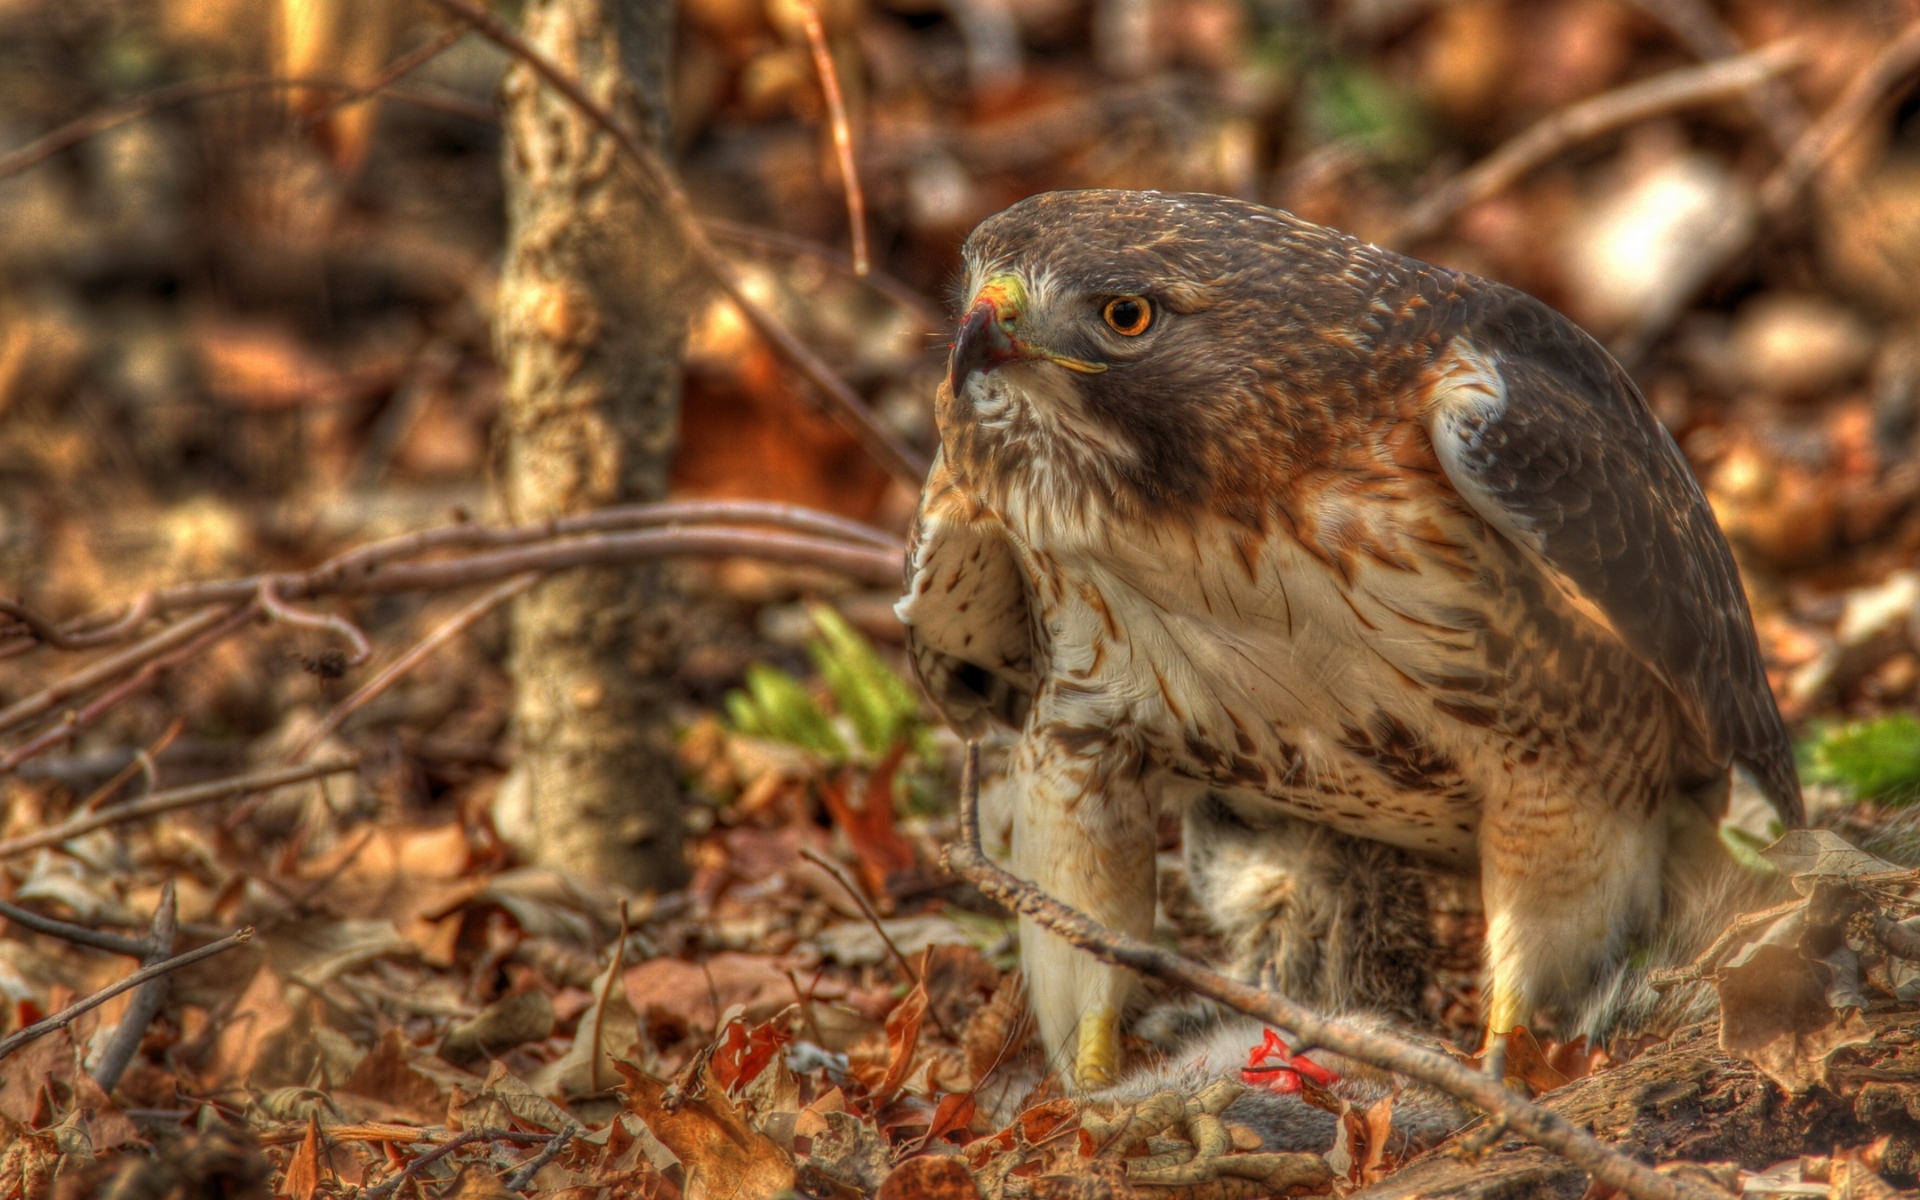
1552, 444
969, 631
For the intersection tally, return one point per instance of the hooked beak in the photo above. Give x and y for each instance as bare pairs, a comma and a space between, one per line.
986, 335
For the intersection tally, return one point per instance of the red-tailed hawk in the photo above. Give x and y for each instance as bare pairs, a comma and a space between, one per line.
1235, 509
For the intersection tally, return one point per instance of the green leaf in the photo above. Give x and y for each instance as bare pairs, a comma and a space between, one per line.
776, 705
1874, 760
881, 706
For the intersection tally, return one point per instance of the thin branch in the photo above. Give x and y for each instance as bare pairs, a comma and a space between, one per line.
72, 1012
829, 74
521, 1179
1870, 88
79, 935
146, 1002
873, 918
92, 631
1700, 28
174, 95
1539, 1125
276, 608
464, 1138
922, 310
366, 560
422, 650
1778, 193
406, 64
354, 574
142, 679
843, 403
172, 801
109, 668
141, 764
869, 564
1553, 134
1660, 979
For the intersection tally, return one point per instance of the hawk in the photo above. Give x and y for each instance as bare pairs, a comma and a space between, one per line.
1238, 516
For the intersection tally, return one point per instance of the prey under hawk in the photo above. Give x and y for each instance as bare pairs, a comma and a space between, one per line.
1236, 512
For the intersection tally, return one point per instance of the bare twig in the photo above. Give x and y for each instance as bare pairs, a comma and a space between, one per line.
172, 801
79, 935
142, 764
1700, 28
1663, 978
1778, 193
1555, 133
829, 74
1539, 1125
873, 918
521, 1179
173, 96
147, 1001
843, 403
88, 632
143, 678
922, 310
449, 629
276, 608
464, 1138
110, 668
869, 564
72, 1012
338, 573
1868, 91
406, 64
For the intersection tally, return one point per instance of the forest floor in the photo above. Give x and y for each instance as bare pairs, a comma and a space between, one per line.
243, 333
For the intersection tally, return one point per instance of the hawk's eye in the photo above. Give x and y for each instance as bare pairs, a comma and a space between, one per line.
1129, 316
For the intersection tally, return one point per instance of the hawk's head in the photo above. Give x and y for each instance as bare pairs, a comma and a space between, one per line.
1129, 353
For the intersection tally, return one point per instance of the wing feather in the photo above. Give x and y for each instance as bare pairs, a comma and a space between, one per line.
1551, 443
969, 630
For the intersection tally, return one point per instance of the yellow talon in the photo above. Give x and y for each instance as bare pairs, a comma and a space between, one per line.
1097, 1061
1504, 1014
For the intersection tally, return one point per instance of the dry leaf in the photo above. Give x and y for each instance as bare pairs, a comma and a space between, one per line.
606, 1032
903, 1035
929, 1178
724, 1158
303, 1173
387, 1074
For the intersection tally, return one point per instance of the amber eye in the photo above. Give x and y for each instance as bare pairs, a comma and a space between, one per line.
1129, 315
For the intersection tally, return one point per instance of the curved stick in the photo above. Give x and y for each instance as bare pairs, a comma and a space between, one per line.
69, 1014
1540, 1126
845, 405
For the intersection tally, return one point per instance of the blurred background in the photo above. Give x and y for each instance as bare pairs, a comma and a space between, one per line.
245, 325
250, 328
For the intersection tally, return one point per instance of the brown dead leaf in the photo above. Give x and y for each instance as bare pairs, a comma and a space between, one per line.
724, 1157
903, 1037
1528, 1063
878, 848
509, 1021
606, 1032
755, 982
387, 1074
24, 1075
929, 1178
303, 1172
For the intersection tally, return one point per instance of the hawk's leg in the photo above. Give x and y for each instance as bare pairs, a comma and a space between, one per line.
1084, 831
1338, 922
1567, 885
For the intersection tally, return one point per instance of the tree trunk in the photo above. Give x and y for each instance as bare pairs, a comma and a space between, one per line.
591, 328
